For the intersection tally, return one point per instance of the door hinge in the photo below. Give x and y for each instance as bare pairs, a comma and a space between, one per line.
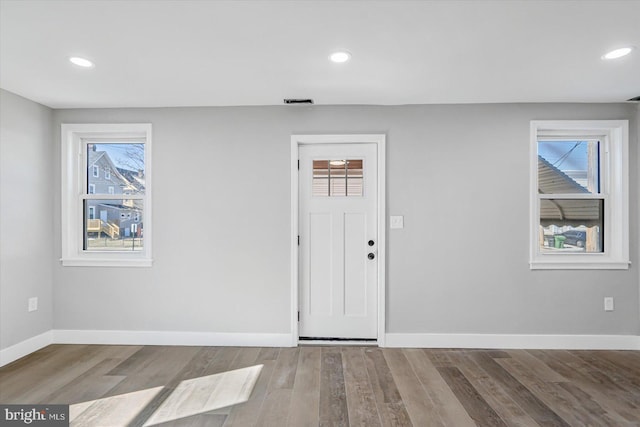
298, 240
298, 164
298, 316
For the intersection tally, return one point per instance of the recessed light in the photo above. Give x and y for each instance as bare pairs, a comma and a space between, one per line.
618, 53
339, 57
81, 62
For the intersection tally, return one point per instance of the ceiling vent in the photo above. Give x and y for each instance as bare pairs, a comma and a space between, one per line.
636, 98
293, 101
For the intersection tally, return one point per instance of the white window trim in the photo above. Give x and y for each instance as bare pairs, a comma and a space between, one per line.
92, 189
74, 138
107, 173
111, 189
614, 136
96, 171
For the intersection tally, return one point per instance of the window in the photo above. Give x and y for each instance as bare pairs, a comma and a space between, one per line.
96, 218
335, 178
579, 195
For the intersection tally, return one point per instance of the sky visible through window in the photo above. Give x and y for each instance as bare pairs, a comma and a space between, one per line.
578, 159
121, 154
564, 155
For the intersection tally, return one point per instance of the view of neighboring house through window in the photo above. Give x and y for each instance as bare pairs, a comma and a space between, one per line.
579, 194
106, 195
114, 204
571, 206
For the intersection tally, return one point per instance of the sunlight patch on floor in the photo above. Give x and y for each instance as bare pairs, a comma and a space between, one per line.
117, 410
204, 394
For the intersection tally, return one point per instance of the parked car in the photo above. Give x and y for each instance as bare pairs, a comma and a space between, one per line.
575, 238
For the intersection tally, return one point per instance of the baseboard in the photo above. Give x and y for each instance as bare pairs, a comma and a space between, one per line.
215, 339
505, 341
25, 347
222, 339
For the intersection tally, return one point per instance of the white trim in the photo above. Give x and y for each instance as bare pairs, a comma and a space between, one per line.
568, 265
294, 241
66, 336
493, 341
380, 141
105, 262
73, 140
614, 135
26, 347
507, 341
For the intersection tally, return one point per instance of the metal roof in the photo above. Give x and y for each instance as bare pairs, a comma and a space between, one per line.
561, 211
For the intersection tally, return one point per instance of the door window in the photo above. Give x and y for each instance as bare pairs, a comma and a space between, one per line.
337, 178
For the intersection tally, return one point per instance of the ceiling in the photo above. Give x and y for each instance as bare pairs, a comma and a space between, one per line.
197, 53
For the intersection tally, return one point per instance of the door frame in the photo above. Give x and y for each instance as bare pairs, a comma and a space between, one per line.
380, 140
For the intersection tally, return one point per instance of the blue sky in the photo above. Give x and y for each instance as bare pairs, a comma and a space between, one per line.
553, 152
117, 153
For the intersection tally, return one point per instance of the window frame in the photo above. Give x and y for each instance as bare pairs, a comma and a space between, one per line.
614, 190
75, 138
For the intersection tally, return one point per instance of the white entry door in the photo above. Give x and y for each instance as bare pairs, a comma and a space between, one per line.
338, 243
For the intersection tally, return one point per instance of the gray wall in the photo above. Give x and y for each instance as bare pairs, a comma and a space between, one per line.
26, 223
458, 173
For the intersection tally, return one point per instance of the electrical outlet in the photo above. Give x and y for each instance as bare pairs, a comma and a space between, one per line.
33, 304
608, 303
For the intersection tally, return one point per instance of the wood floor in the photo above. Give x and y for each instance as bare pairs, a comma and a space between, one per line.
328, 386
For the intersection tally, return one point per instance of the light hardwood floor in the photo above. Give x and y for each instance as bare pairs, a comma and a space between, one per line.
328, 386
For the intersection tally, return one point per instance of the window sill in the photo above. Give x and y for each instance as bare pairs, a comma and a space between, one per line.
575, 265
93, 262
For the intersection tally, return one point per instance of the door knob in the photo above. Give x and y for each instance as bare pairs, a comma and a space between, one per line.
371, 243
371, 255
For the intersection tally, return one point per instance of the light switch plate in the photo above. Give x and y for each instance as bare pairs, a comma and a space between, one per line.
396, 222
608, 304
33, 304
